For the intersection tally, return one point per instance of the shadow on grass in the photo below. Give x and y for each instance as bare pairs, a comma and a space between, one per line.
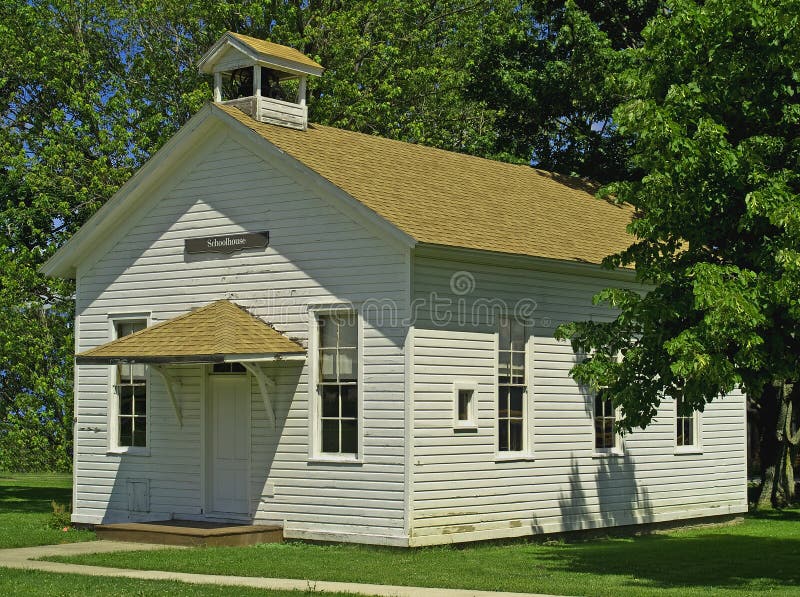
708, 560
788, 515
21, 498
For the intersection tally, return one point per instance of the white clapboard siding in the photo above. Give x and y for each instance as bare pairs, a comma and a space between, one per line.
462, 491
317, 255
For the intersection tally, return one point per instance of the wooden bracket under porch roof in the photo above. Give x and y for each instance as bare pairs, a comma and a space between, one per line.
221, 332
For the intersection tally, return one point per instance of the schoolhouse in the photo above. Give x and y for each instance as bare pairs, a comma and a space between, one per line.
351, 338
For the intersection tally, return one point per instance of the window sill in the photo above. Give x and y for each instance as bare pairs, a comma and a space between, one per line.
688, 450
514, 457
615, 453
129, 451
334, 459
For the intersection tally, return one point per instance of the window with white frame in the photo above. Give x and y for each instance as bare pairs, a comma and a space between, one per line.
605, 416
337, 382
511, 388
685, 426
464, 404
130, 387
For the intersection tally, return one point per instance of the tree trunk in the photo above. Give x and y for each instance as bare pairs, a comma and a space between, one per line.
769, 448
779, 443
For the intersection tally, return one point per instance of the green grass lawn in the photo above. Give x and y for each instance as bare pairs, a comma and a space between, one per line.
31, 582
26, 511
25, 521
760, 555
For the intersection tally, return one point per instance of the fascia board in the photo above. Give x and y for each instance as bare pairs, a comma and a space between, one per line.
207, 64
517, 261
210, 58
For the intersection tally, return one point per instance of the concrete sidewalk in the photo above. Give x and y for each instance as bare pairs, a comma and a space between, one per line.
25, 558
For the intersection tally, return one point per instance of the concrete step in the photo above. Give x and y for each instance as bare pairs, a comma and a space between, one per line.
189, 533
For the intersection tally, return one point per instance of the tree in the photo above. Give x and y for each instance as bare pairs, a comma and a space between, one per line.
713, 114
61, 156
550, 77
90, 89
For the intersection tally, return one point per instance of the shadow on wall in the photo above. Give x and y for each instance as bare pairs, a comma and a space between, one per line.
612, 498
166, 483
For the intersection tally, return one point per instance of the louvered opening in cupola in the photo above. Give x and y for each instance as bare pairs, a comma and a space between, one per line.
267, 81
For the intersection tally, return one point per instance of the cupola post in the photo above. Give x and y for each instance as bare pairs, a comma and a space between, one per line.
256, 76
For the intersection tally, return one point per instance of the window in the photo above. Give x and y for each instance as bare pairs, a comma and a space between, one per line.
338, 382
511, 386
686, 427
228, 368
464, 404
131, 393
605, 437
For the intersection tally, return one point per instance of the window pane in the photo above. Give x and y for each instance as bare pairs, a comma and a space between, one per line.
515, 433
518, 368
505, 335
598, 404
502, 435
139, 431
685, 431
517, 336
349, 401
327, 365
139, 400
327, 332
125, 400
464, 400
348, 330
125, 328
504, 367
330, 436
608, 433
125, 431
330, 401
228, 368
502, 402
349, 437
515, 402
137, 372
347, 365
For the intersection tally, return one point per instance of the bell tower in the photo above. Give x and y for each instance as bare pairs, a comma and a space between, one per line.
267, 81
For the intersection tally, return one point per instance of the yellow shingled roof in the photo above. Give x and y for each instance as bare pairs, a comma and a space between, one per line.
447, 198
267, 47
208, 334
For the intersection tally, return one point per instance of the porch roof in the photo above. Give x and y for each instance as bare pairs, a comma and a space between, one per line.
219, 332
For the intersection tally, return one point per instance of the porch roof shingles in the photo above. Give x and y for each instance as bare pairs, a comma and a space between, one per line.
209, 334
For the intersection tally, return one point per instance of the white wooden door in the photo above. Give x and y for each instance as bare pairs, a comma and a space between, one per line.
229, 432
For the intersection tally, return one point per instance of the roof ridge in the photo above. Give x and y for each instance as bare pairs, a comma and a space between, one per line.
557, 177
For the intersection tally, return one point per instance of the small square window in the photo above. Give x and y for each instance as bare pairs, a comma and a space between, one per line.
464, 398
464, 405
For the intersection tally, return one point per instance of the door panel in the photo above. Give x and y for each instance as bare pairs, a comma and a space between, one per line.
230, 444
